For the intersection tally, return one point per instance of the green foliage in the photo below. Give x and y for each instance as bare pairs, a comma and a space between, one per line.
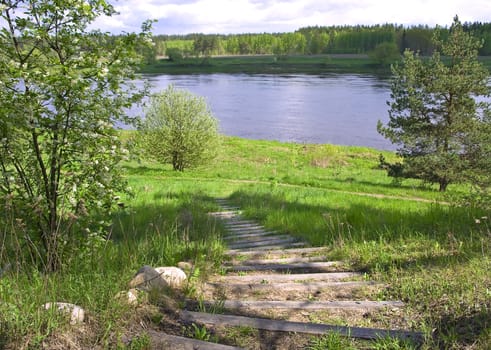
150, 231
141, 342
359, 39
385, 53
174, 54
61, 91
436, 116
179, 129
393, 344
198, 332
331, 341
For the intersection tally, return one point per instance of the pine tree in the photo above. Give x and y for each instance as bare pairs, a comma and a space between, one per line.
438, 113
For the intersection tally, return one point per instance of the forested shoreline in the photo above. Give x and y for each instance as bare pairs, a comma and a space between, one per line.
360, 39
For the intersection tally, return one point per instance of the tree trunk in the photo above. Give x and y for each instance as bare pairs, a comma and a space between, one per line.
443, 185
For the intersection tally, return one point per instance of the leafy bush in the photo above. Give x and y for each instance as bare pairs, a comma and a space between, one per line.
179, 129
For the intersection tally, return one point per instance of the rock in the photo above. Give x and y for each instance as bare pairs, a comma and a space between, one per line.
185, 266
130, 296
174, 276
148, 278
76, 313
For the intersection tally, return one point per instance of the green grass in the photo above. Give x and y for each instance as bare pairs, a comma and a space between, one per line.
435, 257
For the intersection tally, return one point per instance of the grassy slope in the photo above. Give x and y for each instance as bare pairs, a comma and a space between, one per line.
434, 257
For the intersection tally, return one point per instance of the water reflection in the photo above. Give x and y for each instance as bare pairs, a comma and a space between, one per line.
334, 108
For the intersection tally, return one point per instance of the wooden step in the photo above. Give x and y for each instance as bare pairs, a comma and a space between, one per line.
236, 251
319, 258
307, 287
307, 305
160, 340
245, 229
240, 221
246, 224
260, 239
224, 214
319, 266
260, 244
262, 252
247, 235
300, 277
298, 327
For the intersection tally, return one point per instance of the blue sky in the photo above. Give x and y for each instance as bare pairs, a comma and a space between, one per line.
258, 16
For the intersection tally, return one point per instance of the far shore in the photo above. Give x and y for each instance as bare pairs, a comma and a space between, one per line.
273, 64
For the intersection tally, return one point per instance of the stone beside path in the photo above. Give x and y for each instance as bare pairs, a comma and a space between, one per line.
275, 282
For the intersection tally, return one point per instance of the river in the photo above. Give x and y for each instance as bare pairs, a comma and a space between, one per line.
339, 109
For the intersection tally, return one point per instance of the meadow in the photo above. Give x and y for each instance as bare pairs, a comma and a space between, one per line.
432, 255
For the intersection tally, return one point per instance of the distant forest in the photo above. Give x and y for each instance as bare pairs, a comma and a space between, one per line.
312, 41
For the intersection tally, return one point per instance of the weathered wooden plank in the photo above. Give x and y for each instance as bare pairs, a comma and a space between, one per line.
239, 220
224, 214
308, 250
260, 239
284, 260
248, 224
298, 327
244, 229
267, 247
246, 235
308, 305
300, 277
260, 244
162, 340
301, 286
326, 265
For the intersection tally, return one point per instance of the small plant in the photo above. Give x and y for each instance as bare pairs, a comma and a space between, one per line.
331, 341
198, 332
140, 342
216, 308
392, 344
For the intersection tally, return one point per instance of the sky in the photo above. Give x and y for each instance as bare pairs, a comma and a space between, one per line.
272, 16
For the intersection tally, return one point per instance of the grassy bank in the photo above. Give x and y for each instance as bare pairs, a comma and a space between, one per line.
271, 64
433, 256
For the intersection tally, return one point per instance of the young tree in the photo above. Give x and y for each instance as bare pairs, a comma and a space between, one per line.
385, 53
438, 114
62, 89
179, 129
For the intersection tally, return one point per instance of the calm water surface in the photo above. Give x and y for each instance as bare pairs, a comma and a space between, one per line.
338, 109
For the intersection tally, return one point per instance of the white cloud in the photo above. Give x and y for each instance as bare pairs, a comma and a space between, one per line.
241, 16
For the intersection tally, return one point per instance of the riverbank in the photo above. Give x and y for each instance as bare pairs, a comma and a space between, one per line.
271, 64
430, 255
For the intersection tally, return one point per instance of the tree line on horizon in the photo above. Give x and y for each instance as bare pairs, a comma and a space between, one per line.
360, 39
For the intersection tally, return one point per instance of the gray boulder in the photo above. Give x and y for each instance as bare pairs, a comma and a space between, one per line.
147, 278
174, 276
76, 313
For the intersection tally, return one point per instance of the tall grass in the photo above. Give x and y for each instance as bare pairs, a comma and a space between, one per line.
161, 225
433, 256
